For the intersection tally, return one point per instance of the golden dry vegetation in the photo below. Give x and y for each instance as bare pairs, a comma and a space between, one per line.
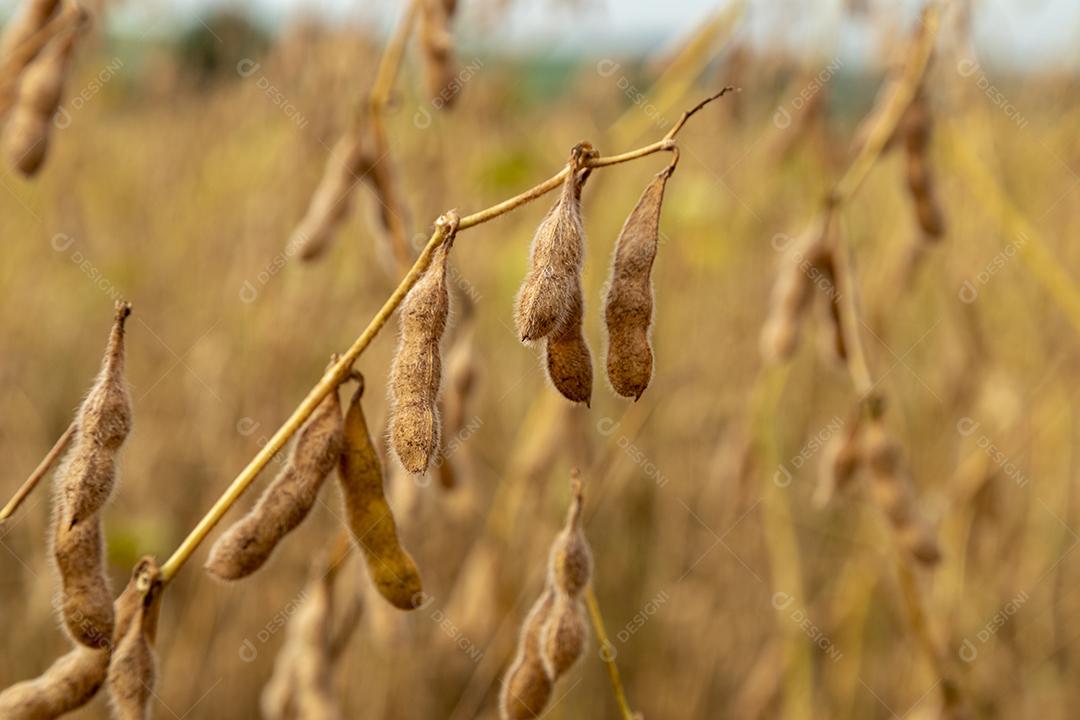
726, 590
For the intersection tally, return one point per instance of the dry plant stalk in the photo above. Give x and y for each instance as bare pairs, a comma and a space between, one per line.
33, 16
286, 502
547, 295
371, 522
416, 371
628, 308
83, 486
555, 632
437, 46
72, 680
132, 667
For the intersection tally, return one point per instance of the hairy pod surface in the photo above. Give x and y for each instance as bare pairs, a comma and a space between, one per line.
371, 522
527, 687
104, 420
546, 296
246, 546
570, 560
86, 597
132, 668
628, 308
569, 362
416, 371
563, 636
73, 679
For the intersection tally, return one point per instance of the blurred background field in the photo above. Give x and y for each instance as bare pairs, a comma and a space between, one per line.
726, 590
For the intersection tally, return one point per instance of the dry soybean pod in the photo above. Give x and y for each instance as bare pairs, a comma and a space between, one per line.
348, 162
71, 681
104, 421
416, 371
84, 484
564, 634
371, 521
26, 135
132, 672
527, 687
558, 252
32, 18
245, 546
437, 46
629, 303
569, 362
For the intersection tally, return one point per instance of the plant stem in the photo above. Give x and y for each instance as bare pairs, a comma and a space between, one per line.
607, 654
389, 66
39, 472
339, 371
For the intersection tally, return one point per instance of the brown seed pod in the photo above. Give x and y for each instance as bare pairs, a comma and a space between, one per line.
527, 687
832, 342
349, 161
104, 421
916, 129
569, 362
132, 672
563, 636
26, 135
86, 598
570, 560
416, 372
437, 46
547, 295
894, 493
371, 521
791, 295
245, 546
74, 679
840, 462
629, 303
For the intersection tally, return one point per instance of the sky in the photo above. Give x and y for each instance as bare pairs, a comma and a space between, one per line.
1014, 33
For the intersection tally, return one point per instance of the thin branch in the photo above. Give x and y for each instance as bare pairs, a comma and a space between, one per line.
339, 371
607, 654
686, 114
39, 472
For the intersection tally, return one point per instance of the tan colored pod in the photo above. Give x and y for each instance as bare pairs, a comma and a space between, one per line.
132, 668
416, 370
563, 636
570, 560
628, 307
527, 687
86, 597
286, 502
26, 135
349, 161
88, 476
569, 362
547, 295
437, 47
74, 679
371, 522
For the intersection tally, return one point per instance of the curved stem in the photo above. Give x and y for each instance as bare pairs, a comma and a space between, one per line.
607, 654
339, 371
39, 472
